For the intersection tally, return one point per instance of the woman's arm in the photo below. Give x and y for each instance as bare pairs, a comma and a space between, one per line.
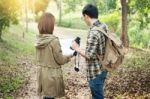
57, 52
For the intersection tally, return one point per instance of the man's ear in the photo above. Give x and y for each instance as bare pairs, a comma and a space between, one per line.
86, 16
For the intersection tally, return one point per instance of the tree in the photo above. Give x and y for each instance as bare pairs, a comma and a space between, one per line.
124, 34
92, 2
70, 6
8, 14
142, 9
59, 6
101, 5
104, 6
38, 5
26, 14
111, 4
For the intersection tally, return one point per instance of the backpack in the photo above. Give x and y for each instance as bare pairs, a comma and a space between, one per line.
114, 51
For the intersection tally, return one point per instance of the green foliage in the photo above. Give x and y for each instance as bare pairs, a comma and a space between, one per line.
143, 6
138, 18
40, 5
8, 13
7, 53
71, 5
8, 97
142, 9
37, 7
138, 37
112, 20
101, 5
12, 49
104, 6
72, 22
111, 4
10, 85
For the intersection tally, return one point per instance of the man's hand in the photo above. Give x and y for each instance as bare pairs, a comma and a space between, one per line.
74, 46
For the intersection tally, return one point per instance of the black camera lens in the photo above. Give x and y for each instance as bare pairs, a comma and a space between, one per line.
76, 69
77, 40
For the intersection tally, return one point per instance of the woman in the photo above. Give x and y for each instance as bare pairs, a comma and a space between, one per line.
50, 59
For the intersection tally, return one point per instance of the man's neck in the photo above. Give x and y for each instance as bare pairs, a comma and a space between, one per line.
92, 21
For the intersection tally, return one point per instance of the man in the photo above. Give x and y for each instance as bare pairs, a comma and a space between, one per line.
95, 46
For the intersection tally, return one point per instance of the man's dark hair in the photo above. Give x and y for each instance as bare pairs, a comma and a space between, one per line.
90, 10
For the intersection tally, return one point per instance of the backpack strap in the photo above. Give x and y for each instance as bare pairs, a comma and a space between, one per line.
101, 30
111, 36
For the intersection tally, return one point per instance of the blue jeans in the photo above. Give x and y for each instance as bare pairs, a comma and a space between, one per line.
96, 85
47, 98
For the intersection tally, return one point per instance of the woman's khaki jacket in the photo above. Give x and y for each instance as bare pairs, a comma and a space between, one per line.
49, 60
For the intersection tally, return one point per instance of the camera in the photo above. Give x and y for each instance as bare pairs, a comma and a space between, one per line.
76, 68
77, 40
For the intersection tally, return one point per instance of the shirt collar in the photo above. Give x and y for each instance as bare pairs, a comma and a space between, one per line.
96, 23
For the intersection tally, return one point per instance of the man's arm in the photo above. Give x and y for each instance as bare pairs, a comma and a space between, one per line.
90, 51
76, 47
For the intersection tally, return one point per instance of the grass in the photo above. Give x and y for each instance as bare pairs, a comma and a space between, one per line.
12, 49
72, 20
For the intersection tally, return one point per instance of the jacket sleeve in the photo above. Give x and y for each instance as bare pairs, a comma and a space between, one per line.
57, 52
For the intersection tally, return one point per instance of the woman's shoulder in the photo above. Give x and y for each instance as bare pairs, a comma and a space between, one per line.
54, 40
55, 37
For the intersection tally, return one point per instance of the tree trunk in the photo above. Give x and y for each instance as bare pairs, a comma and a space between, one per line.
0, 36
60, 13
124, 34
33, 9
26, 15
106, 7
59, 6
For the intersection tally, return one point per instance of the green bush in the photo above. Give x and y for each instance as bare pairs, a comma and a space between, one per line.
10, 85
8, 13
138, 38
112, 20
72, 21
71, 16
13, 50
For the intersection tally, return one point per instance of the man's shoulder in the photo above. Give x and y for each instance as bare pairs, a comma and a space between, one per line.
102, 26
95, 31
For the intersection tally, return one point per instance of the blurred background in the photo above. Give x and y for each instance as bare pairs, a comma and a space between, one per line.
129, 19
68, 14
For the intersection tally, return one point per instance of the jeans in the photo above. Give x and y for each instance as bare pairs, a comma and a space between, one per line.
47, 98
96, 85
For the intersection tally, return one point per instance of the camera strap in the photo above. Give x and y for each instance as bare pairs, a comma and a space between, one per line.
77, 62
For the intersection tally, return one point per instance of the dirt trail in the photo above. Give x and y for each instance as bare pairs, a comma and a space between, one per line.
76, 83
